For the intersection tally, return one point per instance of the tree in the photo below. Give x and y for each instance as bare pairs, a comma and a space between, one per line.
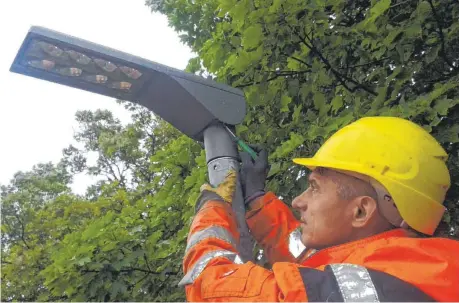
133, 250
124, 239
310, 67
25, 244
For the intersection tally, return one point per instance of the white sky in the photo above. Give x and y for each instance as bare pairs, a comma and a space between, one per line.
37, 118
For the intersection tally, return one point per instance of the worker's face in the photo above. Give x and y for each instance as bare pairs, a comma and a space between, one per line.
326, 219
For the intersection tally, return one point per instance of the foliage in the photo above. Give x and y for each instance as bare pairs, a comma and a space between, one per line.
307, 68
26, 246
122, 241
310, 67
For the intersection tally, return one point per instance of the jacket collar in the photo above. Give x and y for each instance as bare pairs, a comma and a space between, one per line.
342, 251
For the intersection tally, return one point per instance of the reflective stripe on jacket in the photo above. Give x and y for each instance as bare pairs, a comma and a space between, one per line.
387, 267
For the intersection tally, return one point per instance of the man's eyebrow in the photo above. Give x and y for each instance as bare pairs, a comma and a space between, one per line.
312, 180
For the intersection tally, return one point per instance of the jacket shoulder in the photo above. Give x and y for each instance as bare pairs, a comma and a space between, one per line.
353, 283
430, 264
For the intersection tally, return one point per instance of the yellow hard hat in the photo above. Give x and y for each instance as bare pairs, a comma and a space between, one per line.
401, 156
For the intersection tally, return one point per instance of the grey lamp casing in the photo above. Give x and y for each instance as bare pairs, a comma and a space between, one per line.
197, 107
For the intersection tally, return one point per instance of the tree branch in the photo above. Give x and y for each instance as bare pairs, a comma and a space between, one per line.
454, 73
23, 231
146, 261
129, 270
340, 77
440, 34
277, 75
112, 172
141, 170
298, 60
120, 174
140, 280
365, 64
400, 3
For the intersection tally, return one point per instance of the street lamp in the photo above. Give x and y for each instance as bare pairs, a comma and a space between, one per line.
197, 107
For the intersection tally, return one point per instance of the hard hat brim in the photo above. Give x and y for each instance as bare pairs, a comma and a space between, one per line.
313, 163
310, 163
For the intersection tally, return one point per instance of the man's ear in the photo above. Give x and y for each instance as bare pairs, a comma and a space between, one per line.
365, 208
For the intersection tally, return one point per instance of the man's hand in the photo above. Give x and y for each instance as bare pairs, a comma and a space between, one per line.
254, 173
226, 189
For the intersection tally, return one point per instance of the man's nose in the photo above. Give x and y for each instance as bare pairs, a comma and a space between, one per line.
299, 202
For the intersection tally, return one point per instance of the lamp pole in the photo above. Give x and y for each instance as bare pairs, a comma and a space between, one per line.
222, 156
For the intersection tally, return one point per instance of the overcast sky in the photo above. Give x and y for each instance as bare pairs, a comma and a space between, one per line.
37, 117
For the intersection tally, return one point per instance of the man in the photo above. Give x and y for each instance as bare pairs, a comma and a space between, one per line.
375, 186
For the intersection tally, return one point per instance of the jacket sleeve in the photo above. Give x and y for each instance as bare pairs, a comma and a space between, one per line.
274, 227
214, 272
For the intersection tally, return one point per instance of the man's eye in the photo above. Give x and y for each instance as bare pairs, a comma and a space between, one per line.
313, 187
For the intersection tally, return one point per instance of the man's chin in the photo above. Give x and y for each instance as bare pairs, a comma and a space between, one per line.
306, 239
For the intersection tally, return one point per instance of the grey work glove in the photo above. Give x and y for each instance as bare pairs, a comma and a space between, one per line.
253, 173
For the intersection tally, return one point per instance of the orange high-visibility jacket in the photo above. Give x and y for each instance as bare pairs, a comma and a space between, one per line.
390, 266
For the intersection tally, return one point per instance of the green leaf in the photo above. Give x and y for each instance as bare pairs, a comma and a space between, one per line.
285, 101
423, 9
242, 61
288, 146
432, 55
83, 261
320, 103
443, 105
293, 64
297, 113
252, 36
415, 30
401, 52
392, 36
111, 245
275, 168
116, 288
449, 135
275, 6
226, 5
242, 129
337, 103
379, 8
447, 217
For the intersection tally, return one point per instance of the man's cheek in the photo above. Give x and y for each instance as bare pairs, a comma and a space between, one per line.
308, 229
